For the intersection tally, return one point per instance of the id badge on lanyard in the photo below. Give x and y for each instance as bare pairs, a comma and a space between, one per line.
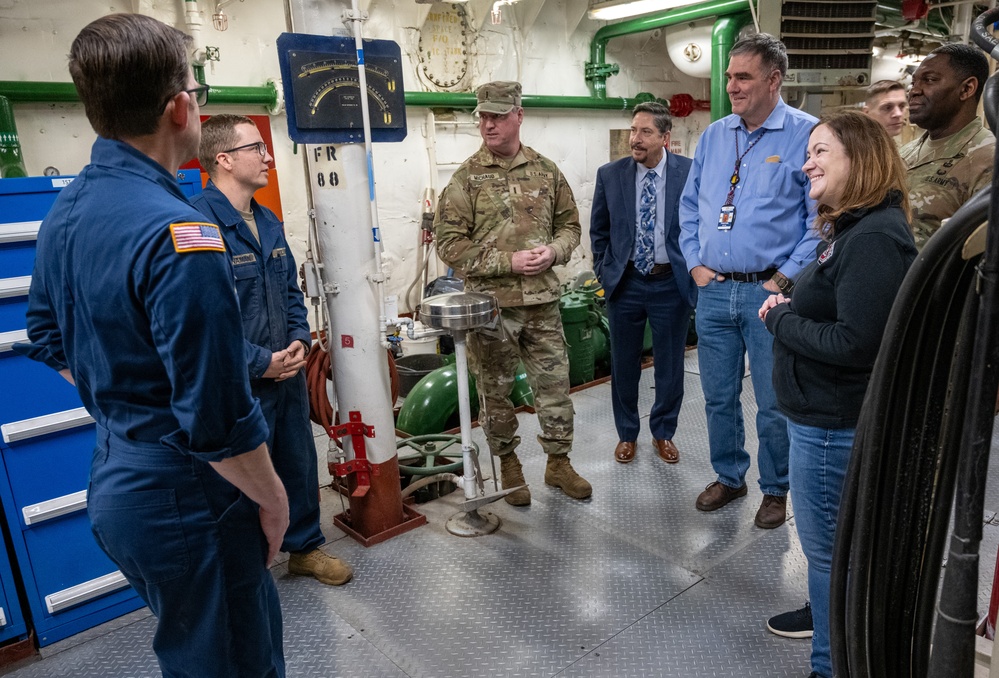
727, 218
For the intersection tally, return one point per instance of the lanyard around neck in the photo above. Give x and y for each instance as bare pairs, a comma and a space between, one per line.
734, 180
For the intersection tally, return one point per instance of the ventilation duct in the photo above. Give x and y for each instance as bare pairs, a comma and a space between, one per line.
829, 42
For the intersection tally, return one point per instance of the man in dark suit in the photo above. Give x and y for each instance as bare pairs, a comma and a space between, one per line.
634, 231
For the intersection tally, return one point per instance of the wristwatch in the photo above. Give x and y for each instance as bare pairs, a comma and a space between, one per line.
308, 346
784, 284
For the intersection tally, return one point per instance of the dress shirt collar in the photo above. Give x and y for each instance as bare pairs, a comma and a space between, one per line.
660, 168
774, 121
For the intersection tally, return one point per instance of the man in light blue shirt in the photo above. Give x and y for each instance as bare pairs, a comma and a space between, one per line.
745, 234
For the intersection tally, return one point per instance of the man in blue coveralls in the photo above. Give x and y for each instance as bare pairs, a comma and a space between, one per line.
275, 325
130, 300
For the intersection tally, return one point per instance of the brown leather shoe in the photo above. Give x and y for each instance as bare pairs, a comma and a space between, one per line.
717, 495
624, 453
772, 513
666, 450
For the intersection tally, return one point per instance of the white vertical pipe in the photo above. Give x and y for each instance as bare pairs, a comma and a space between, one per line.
378, 277
465, 415
343, 220
192, 19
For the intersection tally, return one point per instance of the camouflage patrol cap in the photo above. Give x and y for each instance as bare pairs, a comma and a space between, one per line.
498, 97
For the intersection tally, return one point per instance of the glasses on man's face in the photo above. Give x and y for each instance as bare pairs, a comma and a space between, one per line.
200, 94
260, 147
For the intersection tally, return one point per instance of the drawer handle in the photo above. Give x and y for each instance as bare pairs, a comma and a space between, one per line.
15, 287
88, 590
48, 423
8, 339
19, 231
53, 508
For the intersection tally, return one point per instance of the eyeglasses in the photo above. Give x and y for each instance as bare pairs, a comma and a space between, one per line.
260, 146
200, 94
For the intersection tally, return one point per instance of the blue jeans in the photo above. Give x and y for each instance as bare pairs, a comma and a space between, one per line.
728, 328
819, 457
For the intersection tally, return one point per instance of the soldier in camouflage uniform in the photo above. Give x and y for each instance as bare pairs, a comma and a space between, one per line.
953, 158
506, 217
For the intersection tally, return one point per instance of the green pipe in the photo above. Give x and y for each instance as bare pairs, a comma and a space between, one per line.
467, 100
47, 92
56, 92
11, 157
597, 70
266, 95
723, 36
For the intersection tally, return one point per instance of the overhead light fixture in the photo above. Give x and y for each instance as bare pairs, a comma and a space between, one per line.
608, 10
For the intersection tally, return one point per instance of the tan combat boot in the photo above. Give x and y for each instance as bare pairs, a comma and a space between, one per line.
560, 473
328, 569
513, 476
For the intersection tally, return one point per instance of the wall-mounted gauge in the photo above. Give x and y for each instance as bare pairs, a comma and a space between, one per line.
322, 88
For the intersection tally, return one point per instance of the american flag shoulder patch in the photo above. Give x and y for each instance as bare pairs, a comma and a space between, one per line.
196, 237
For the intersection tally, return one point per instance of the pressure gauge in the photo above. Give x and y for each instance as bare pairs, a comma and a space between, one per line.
323, 91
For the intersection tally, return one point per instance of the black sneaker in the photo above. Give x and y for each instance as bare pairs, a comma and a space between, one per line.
796, 624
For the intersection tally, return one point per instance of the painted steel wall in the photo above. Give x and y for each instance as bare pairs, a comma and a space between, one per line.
545, 48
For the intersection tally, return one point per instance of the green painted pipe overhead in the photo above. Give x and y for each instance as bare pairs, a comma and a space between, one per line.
56, 92
723, 36
11, 157
266, 95
467, 100
597, 70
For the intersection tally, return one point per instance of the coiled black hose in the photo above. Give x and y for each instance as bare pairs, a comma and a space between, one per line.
925, 430
953, 637
889, 491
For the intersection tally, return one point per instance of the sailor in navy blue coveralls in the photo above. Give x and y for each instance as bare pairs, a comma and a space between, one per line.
132, 293
274, 315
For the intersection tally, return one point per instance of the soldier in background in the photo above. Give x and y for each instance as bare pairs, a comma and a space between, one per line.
887, 103
952, 160
506, 217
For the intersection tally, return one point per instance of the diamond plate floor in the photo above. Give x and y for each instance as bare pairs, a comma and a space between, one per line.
632, 582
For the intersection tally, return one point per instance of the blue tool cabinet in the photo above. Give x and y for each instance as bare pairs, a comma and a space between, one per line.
46, 441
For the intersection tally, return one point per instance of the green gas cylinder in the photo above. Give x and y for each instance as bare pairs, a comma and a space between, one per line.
578, 323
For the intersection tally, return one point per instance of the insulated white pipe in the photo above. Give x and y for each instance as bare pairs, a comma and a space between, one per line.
355, 17
465, 416
192, 19
338, 175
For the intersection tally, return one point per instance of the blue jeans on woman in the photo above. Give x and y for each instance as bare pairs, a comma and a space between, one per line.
818, 461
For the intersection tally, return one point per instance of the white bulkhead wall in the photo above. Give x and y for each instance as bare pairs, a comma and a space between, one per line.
542, 43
